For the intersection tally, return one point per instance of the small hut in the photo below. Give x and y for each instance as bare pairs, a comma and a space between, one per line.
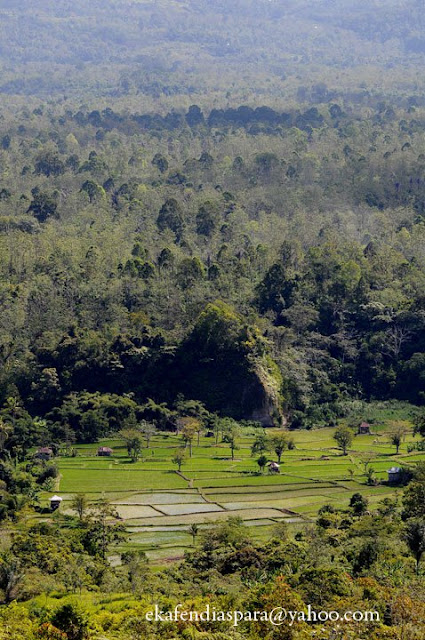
394, 475
274, 467
104, 451
55, 503
44, 453
364, 429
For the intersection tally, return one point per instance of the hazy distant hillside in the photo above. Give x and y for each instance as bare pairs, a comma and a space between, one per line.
267, 45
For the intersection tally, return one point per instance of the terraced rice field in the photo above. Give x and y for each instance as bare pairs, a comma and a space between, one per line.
158, 505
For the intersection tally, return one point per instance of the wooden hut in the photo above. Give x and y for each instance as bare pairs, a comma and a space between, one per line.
394, 475
364, 429
55, 503
274, 467
44, 453
104, 451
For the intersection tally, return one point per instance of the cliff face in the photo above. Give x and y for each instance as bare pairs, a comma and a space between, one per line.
243, 392
225, 364
263, 409
263, 400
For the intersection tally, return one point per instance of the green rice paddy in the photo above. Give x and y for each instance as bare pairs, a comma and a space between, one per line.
157, 504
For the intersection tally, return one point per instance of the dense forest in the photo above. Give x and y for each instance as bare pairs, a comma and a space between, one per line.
209, 211
241, 253
217, 51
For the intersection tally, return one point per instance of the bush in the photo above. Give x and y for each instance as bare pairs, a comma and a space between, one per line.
71, 619
50, 472
359, 504
48, 632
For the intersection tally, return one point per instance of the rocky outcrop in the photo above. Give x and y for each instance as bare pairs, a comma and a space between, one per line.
262, 400
226, 364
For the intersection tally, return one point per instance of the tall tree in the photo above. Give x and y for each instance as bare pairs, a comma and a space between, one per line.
415, 538
344, 438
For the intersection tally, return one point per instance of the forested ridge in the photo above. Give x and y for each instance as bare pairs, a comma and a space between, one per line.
122, 232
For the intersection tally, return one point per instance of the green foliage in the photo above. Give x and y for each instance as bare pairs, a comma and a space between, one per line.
72, 620
279, 443
344, 438
49, 164
93, 190
92, 415
260, 444
419, 424
160, 162
142, 261
16, 623
358, 503
320, 585
207, 218
80, 503
415, 538
171, 217
397, 437
43, 206
327, 316
179, 458
101, 529
137, 568
133, 442
414, 499
231, 433
262, 461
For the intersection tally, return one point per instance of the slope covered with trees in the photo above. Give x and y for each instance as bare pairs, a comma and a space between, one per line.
166, 255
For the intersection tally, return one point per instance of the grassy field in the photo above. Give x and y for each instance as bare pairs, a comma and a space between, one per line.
158, 505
